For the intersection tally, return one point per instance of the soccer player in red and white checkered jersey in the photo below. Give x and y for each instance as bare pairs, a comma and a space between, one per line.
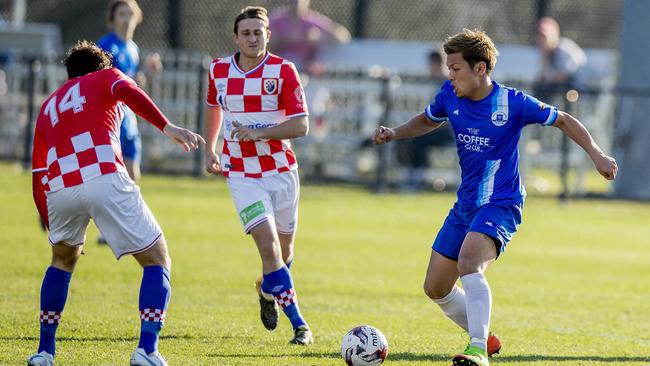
79, 174
258, 98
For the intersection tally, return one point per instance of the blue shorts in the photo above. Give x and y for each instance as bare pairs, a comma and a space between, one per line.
130, 137
496, 220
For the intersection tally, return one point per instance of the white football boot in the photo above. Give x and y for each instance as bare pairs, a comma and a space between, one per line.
141, 358
40, 359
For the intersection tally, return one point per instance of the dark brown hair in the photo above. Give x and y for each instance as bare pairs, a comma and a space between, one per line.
112, 6
252, 12
475, 46
85, 57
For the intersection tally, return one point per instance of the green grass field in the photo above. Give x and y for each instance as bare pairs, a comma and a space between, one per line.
572, 288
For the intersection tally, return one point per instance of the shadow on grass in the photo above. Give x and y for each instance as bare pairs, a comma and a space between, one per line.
559, 358
95, 338
408, 356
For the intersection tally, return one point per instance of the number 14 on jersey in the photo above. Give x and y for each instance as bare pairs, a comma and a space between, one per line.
71, 100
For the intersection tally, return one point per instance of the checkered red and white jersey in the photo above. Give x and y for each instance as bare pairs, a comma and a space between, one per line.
265, 96
77, 131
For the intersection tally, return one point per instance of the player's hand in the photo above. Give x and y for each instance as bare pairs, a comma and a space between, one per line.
212, 163
184, 137
383, 135
606, 166
243, 133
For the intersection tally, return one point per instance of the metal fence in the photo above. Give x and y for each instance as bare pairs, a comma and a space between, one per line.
206, 25
345, 106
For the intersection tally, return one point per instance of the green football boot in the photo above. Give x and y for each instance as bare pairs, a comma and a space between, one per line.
472, 356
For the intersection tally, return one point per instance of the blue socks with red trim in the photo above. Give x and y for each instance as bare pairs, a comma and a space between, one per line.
54, 293
280, 284
155, 292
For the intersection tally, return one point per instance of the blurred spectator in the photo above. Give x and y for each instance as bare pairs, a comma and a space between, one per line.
413, 153
299, 33
562, 63
123, 16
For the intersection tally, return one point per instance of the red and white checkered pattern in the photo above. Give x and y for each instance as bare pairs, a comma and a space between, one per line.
287, 298
88, 161
51, 317
83, 144
262, 97
152, 315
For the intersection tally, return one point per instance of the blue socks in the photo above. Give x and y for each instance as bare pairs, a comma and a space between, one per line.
280, 284
154, 297
54, 293
155, 291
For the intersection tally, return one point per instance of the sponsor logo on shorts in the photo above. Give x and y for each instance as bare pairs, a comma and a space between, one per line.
252, 211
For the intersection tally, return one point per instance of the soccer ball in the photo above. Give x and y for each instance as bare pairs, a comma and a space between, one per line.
364, 346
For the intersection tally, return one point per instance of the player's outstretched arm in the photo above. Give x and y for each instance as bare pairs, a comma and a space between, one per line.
416, 126
606, 165
144, 107
291, 129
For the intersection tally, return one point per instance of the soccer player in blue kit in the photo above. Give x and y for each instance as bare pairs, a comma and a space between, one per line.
123, 16
487, 119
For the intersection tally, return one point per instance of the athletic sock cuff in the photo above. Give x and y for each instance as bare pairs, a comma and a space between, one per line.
58, 274
156, 268
448, 298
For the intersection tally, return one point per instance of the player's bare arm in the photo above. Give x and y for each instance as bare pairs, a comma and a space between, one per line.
213, 120
291, 129
606, 165
416, 126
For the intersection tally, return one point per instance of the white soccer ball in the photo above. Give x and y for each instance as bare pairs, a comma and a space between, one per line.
364, 346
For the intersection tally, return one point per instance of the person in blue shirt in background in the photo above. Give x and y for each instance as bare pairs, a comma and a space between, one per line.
487, 119
123, 16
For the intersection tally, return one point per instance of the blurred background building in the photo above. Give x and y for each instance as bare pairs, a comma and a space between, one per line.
380, 76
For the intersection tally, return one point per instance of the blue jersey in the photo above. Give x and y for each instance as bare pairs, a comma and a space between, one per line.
125, 54
487, 133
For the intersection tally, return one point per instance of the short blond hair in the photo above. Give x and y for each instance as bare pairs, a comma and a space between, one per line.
113, 4
475, 46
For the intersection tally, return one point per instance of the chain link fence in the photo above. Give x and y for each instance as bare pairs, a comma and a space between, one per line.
345, 104
206, 25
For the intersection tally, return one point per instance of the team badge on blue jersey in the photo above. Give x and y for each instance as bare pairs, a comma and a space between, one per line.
270, 86
499, 118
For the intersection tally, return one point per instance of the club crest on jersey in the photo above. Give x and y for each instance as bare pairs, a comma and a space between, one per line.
499, 118
270, 86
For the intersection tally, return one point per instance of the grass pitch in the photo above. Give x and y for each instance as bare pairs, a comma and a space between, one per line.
572, 288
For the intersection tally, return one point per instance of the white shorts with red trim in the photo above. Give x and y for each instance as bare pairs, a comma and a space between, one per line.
116, 206
273, 198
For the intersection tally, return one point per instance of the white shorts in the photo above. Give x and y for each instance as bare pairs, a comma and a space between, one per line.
272, 198
114, 203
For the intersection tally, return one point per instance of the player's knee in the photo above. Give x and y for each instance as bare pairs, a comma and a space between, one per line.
435, 290
467, 264
66, 261
287, 255
167, 262
157, 255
